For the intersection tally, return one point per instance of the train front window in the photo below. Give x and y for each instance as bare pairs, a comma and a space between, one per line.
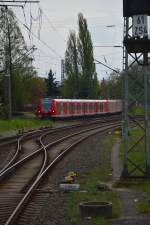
46, 104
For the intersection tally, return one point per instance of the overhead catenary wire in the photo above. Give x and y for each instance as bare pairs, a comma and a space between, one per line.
18, 1
52, 26
43, 42
39, 20
40, 40
99, 62
48, 56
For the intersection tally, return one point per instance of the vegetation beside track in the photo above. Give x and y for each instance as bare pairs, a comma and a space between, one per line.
19, 124
89, 184
137, 154
141, 185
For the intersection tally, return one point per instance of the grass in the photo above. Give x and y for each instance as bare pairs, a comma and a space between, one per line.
143, 206
89, 184
21, 123
138, 111
136, 155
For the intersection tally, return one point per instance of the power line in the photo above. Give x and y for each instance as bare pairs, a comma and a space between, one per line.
53, 27
18, 1
99, 62
48, 56
43, 42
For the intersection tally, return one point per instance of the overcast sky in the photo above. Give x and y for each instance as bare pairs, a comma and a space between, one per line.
58, 17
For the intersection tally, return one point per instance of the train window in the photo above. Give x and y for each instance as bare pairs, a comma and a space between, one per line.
65, 106
60, 107
85, 107
70, 107
46, 104
78, 106
81, 106
101, 107
73, 106
90, 106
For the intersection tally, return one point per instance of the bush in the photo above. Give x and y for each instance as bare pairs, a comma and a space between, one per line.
3, 111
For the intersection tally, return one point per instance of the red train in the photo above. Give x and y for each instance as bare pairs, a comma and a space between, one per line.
61, 108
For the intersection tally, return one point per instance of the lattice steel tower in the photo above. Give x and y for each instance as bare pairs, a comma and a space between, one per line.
136, 81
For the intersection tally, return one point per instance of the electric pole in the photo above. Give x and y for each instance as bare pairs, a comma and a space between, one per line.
137, 46
7, 80
8, 61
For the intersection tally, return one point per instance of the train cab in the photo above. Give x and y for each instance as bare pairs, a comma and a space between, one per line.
45, 107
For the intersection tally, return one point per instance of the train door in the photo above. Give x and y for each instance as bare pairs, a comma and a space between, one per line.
106, 103
65, 108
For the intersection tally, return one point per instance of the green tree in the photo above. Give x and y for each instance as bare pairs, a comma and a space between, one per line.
115, 86
52, 89
72, 81
22, 71
111, 88
81, 77
89, 82
104, 89
38, 88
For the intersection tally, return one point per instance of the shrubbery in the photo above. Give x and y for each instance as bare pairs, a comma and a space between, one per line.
3, 111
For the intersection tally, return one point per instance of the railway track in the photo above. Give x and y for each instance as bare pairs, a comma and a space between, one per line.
26, 174
18, 147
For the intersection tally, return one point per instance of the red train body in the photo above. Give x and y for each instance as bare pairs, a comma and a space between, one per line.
61, 108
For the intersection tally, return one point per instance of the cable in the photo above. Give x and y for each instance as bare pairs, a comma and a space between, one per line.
50, 56
106, 66
43, 42
52, 26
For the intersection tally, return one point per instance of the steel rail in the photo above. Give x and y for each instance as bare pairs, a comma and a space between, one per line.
18, 149
27, 196
19, 145
30, 156
10, 163
24, 136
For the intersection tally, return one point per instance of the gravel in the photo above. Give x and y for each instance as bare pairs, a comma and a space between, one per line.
82, 159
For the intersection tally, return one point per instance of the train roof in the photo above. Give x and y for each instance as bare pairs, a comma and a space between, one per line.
83, 100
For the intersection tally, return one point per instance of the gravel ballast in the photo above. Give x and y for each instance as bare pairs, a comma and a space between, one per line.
84, 158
